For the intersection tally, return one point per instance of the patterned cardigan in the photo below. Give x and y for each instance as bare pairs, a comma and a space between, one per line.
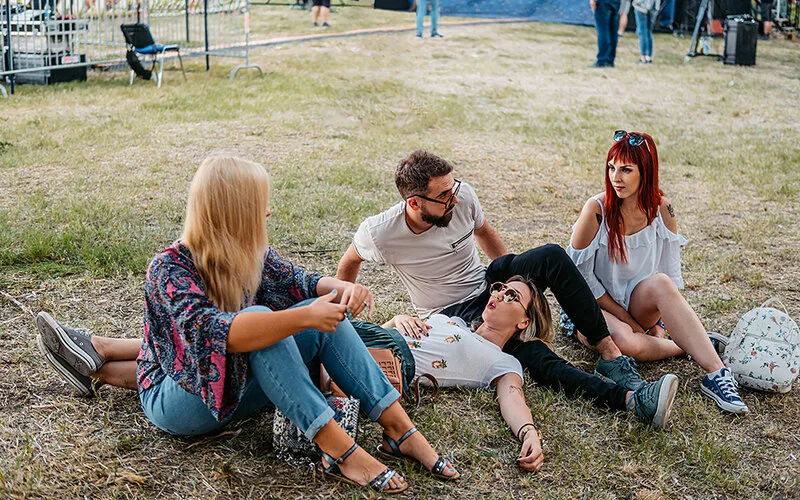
186, 335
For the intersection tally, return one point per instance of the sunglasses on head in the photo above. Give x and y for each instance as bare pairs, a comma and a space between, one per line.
634, 139
509, 294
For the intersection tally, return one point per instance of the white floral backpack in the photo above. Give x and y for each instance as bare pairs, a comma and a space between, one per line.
764, 349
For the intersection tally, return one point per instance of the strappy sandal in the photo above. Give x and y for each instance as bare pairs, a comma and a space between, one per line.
436, 471
378, 483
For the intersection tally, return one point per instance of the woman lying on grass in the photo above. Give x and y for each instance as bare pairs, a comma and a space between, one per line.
626, 245
517, 312
228, 330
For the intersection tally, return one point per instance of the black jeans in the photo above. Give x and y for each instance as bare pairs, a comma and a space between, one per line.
550, 266
548, 369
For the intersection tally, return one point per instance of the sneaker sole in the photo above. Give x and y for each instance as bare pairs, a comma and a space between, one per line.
69, 377
59, 342
731, 408
666, 397
722, 341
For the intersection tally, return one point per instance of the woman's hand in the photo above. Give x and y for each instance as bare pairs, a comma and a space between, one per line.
531, 457
411, 326
357, 298
324, 314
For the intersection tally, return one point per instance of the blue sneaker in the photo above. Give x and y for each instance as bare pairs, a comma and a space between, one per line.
653, 402
621, 371
723, 389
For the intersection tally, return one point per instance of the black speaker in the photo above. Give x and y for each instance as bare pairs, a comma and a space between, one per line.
741, 37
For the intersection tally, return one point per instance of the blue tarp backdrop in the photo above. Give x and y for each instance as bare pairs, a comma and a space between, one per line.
556, 11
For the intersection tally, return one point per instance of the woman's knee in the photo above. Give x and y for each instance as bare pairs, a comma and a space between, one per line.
657, 286
629, 342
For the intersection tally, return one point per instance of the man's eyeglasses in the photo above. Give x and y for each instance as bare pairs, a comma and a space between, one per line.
509, 294
633, 138
449, 202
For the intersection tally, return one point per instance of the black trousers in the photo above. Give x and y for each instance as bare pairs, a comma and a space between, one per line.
549, 266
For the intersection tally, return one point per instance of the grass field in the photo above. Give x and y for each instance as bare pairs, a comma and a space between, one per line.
93, 178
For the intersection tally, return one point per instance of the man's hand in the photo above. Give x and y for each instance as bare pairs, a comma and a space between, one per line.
324, 314
593, 4
357, 298
411, 326
531, 457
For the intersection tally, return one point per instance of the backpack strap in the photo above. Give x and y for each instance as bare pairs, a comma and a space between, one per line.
775, 299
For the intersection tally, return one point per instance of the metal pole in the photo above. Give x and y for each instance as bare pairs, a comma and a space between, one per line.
9, 54
187, 22
205, 29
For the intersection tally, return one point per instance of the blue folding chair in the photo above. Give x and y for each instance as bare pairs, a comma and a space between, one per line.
140, 40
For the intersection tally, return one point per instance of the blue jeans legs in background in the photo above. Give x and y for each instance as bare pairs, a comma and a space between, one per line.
422, 8
278, 374
606, 20
668, 14
645, 22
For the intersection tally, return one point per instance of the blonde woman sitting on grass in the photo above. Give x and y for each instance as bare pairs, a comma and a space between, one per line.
229, 328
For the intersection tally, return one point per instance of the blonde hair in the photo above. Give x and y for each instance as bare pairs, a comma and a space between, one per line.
225, 228
541, 321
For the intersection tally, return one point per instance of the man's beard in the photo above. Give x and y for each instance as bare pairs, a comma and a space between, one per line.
442, 221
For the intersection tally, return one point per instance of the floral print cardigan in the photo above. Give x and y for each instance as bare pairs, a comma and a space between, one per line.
186, 335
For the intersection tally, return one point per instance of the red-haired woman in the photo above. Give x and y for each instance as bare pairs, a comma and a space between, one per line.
626, 245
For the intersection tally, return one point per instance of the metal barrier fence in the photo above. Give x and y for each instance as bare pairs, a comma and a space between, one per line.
48, 41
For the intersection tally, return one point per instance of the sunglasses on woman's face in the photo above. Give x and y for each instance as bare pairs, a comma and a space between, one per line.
633, 139
509, 294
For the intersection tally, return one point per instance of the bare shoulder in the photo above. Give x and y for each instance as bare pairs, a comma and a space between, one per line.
588, 224
668, 214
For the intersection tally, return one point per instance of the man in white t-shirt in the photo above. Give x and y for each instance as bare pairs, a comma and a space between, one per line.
430, 240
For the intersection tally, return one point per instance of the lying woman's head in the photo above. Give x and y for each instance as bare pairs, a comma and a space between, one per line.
225, 227
530, 317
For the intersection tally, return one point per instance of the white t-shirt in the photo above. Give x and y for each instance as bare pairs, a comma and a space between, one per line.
439, 267
458, 357
654, 249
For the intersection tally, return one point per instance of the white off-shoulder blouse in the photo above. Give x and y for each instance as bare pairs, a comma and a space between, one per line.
654, 249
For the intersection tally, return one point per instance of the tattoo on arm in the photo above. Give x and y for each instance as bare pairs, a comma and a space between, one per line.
671, 210
599, 218
514, 389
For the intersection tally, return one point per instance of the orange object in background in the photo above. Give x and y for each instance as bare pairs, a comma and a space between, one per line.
716, 27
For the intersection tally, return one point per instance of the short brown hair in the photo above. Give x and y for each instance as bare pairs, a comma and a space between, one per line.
417, 169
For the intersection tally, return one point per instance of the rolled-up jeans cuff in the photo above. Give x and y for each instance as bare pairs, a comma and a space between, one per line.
384, 403
319, 423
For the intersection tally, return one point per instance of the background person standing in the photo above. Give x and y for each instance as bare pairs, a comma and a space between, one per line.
422, 8
606, 22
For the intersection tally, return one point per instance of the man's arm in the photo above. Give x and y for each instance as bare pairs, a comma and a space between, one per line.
489, 241
349, 265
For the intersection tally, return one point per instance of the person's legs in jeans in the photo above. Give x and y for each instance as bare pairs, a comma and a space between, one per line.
422, 8
434, 17
350, 365
643, 32
606, 18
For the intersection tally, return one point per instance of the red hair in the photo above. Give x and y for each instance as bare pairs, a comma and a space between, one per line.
645, 156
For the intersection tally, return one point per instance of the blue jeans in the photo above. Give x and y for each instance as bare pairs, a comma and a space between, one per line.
422, 8
606, 21
278, 376
668, 13
645, 22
